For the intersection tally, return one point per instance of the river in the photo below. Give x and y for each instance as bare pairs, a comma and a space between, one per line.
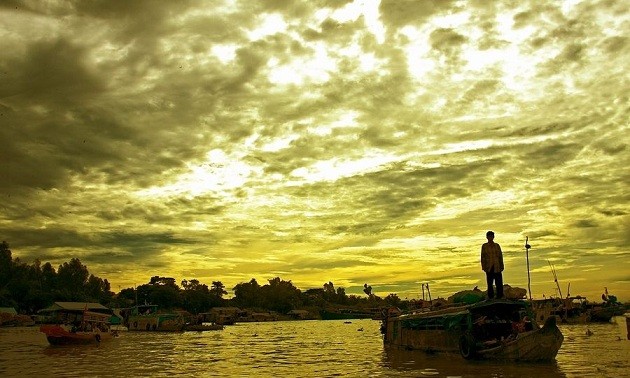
296, 349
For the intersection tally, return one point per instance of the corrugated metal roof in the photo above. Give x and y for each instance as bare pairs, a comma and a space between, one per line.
74, 306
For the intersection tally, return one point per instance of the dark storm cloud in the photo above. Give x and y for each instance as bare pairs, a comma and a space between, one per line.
69, 132
550, 155
398, 13
613, 212
52, 73
446, 40
141, 239
28, 239
615, 44
523, 19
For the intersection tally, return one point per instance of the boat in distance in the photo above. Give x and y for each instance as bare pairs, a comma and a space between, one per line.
147, 318
499, 329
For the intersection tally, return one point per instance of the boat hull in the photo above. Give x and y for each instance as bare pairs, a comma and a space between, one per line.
156, 323
460, 330
58, 335
539, 345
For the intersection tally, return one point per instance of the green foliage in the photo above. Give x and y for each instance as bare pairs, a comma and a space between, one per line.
247, 294
29, 288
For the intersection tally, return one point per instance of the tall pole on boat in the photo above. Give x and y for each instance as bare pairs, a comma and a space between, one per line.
555, 278
529, 281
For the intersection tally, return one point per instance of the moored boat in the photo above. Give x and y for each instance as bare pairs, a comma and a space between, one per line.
604, 311
570, 310
348, 313
147, 318
494, 329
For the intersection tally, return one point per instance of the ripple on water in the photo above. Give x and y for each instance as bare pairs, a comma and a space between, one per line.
294, 349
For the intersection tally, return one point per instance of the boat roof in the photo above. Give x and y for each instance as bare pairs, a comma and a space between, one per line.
8, 310
76, 306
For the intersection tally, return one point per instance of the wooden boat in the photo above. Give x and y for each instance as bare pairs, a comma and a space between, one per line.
492, 329
604, 311
91, 328
147, 318
570, 310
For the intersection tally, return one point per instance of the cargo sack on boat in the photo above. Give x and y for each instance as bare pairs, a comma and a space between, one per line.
467, 296
510, 292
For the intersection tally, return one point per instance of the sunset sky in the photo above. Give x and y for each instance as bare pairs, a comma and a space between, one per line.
346, 141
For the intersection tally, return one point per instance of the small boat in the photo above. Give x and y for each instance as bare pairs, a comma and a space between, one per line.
607, 309
493, 329
342, 313
203, 327
90, 328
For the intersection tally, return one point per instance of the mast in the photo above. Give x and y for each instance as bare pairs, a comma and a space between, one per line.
555, 278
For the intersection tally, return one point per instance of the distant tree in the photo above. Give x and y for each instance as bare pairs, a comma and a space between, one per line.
313, 297
329, 287
342, 298
49, 277
98, 289
163, 281
330, 294
393, 300
125, 298
218, 289
6, 264
160, 291
193, 285
281, 296
195, 297
247, 294
72, 278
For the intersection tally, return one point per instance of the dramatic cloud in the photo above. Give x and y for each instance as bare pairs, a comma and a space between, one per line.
331, 140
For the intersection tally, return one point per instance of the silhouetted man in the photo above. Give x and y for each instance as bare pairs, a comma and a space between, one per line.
492, 264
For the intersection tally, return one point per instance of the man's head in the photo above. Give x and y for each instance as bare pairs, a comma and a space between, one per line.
490, 235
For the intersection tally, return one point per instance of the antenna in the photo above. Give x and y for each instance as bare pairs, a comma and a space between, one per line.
555, 278
529, 281
423, 292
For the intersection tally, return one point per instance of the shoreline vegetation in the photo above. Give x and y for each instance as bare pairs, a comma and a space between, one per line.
28, 288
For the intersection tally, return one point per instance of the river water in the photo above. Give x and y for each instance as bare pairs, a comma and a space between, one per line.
297, 349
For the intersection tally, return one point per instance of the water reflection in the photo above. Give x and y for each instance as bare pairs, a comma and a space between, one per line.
453, 365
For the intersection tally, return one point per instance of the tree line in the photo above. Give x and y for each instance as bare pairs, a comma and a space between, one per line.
31, 287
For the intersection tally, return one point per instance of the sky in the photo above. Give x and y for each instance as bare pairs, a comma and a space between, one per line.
319, 141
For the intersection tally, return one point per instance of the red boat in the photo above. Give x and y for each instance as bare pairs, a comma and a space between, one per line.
92, 328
